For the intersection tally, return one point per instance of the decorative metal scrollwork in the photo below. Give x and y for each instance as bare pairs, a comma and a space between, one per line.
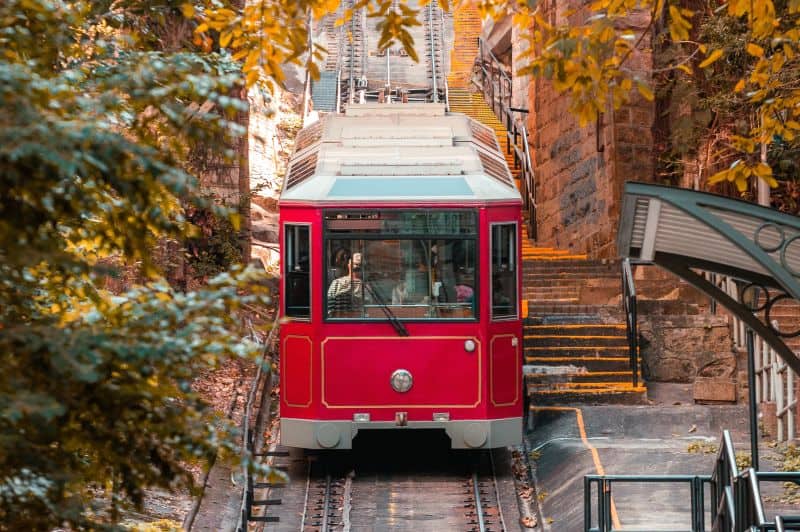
778, 234
757, 298
784, 260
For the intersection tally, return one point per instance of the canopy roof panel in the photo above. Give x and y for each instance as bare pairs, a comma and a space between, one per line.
685, 231
711, 232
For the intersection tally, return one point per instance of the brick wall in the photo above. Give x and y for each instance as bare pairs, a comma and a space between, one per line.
580, 170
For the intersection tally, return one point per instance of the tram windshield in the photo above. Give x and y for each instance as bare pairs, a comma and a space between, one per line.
419, 264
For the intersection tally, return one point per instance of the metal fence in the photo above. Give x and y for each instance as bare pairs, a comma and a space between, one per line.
496, 86
775, 381
734, 504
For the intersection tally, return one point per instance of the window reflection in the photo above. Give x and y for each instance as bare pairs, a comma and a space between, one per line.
431, 277
504, 268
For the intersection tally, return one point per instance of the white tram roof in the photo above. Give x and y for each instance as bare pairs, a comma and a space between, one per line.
397, 152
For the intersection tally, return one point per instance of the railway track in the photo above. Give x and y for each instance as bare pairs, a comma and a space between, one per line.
434, 41
484, 511
346, 491
327, 498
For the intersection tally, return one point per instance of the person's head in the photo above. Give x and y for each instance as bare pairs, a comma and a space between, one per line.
355, 264
341, 257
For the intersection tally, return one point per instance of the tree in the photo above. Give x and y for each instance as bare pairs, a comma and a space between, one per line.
97, 118
584, 57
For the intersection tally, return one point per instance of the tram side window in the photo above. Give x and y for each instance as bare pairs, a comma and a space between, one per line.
296, 270
504, 270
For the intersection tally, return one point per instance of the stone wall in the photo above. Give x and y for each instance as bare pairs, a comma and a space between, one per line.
691, 349
580, 171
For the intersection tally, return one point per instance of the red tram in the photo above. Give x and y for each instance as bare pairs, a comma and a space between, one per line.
400, 228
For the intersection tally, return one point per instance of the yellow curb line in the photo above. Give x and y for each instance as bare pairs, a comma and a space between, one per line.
598, 466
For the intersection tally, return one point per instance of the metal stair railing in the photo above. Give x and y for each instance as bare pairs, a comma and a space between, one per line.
631, 321
604, 483
497, 89
723, 499
735, 505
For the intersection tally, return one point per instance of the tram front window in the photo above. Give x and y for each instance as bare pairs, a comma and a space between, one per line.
415, 276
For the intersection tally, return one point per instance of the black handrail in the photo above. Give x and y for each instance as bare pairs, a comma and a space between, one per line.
604, 494
631, 320
497, 90
735, 501
722, 482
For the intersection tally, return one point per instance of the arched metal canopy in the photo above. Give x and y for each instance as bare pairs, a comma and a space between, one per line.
686, 232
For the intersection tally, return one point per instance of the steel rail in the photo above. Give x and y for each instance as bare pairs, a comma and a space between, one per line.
326, 504
444, 68
305, 498
432, 41
478, 505
497, 493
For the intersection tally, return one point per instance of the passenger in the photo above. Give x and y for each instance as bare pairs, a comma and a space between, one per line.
339, 263
399, 293
346, 292
464, 292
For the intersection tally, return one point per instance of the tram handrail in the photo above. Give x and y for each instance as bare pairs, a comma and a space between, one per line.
631, 319
517, 133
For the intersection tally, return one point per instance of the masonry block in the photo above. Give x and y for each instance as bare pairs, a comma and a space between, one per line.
714, 390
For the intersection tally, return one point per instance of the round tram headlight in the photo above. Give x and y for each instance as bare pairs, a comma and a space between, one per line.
402, 380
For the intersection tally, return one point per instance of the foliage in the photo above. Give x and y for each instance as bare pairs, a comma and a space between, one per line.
215, 246
102, 102
586, 53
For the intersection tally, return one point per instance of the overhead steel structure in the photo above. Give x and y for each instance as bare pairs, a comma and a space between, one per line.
688, 232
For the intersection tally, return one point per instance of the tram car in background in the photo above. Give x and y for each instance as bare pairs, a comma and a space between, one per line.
400, 228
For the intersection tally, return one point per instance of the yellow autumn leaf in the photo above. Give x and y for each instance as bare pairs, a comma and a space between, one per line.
739, 85
762, 170
755, 50
252, 77
711, 59
719, 177
645, 91
225, 38
187, 9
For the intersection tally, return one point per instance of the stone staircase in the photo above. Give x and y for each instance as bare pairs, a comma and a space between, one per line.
463, 97
474, 106
323, 92
466, 30
575, 343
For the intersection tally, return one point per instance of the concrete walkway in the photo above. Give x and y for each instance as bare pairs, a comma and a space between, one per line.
571, 442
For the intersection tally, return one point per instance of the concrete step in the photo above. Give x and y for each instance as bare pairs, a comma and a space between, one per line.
532, 377
576, 329
619, 349
582, 342
635, 396
535, 310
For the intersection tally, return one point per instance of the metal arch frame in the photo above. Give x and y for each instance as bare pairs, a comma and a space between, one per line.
674, 265
692, 203
695, 204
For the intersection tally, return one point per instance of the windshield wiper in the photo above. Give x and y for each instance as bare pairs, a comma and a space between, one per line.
396, 323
